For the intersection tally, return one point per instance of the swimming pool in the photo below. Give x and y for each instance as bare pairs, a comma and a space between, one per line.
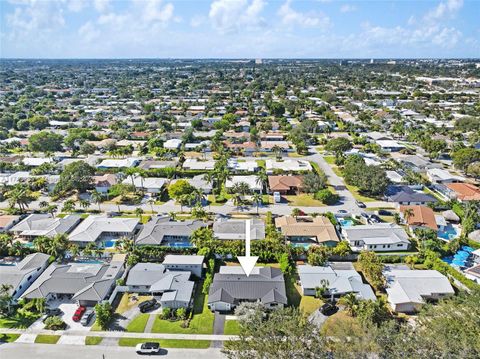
345, 222
448, 233
303, 245
89, 261
110, 243
460, 258
179, 244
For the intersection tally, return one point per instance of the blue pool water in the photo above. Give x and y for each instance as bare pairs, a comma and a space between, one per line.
448, 233
345, 222
460, 258
304, 245
90, 261
179, 244
28, 244
110, 243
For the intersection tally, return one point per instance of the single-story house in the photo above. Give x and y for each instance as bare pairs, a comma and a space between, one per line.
390, 145
231, 286
104, 182
162, 231
44, 224
237, 166
198, 182
339, 278
439, 175
287, 165
151, 185
173, 287
421, 217
195, 164
21, 275
234, 229
172, 144
188, 263
408, 290
380, 237
118, 163
154, 164
104, 230
405, 195
464, 192
251, 181
285, 184
318, 230
85, 283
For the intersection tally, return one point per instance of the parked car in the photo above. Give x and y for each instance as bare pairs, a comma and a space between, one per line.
384, 212
78, 313
87, 317
276, 197
53, 312
360, 204
147, 305
328, 308
147, 348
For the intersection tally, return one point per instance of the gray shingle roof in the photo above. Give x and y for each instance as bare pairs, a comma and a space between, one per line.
154, 231
234, 229
46, 225
13, 275
231, 285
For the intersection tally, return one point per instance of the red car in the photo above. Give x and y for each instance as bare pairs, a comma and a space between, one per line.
78, 313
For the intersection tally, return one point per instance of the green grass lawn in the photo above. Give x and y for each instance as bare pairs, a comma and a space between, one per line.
303, 200
93, 340
18, 321
329, 159
47, 339
358, 196
201, 323
166, 343
126, 303
137, 325
293, 295
8, 338
231, 327
310, 304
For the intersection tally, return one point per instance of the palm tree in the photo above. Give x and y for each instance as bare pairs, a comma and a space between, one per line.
139, 212
43, 204
52, 209
131, 171
407, 214
237, 200
277, 150
172, 215
296, 212
19, 195
68, 206
257, 198
84, 203
262, 178
351, 302
96, 198
151, 202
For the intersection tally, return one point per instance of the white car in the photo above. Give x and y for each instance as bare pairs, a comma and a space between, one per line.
276, 197
147, 348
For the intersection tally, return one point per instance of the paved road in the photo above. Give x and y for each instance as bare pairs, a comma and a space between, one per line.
218, 329
347, 199
58, 351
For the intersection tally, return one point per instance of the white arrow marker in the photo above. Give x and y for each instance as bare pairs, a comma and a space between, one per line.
247, 262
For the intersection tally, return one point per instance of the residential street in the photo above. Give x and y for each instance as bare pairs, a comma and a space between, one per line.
58, 351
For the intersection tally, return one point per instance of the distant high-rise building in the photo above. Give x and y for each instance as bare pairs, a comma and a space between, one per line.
258, 61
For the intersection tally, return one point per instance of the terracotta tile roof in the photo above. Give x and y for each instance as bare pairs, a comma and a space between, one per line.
422, 216
465, 191
284, 183
320, 227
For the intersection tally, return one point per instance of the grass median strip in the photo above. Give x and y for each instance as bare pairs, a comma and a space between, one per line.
47, 339
93, 340
166, 343
231, 327
8, 338
137, 325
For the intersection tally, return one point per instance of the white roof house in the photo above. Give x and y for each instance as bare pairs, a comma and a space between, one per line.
172, 144
380, 237
394, 176
119, 163
390, 145
251, 181
35, 162
439, 175
195, 164
149, 184
409, 289
340, 278
242, 166
289, 165
96, 228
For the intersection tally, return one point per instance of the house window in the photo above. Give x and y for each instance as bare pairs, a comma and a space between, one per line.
400, 245
29, 277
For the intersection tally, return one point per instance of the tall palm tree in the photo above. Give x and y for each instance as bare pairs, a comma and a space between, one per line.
351, 302
139, 212
151, 202
96, 198
19, 195
257, 199
262, 178
277, 150
52, 209
43, 204
131, 172
407, 214
68, 206
237, 200
84, 203
296, 212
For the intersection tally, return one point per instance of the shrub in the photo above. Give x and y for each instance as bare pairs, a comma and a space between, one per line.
327, 197
166, 313
54, 323
181, 313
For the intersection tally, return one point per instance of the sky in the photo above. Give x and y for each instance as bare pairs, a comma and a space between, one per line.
239, 29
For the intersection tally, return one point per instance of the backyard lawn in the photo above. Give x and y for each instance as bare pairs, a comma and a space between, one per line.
231, 327
137, 325
127, 302
8, 338
310, 304
47, 339
166, 343
306, 303
93, 340
201, 323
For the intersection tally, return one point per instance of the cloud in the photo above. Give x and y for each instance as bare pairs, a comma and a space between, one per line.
101, 5
230, 16
88, 32
444, 9
290, 17
197, 20
347, 8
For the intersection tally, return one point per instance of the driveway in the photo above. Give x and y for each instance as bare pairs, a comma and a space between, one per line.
218, 328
